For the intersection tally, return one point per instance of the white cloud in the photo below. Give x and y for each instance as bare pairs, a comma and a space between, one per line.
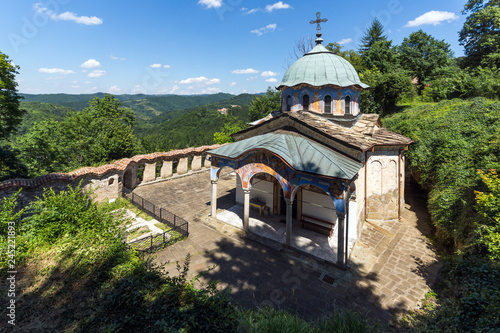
211, 3
433, 17
91, 63
245, 71
272, 80
263, 30
252, 78
277, 5
114, 89
87, 82
232, 84
166, 66
199, 80
268, 73
155, 65
345, 41
55, 71
96, 73
250, 11
117, 58
68, 16
211, 90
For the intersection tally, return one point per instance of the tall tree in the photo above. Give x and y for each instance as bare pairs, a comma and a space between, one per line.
480, 34
263, 105
373, 34
421, 54
383, 56
10, 113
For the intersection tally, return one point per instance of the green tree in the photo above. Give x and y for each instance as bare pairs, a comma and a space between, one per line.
421, 54
382, 55
373, 34
488, 206
263, 105
10, 113
101, 133
352, 56
231, 125
480, 34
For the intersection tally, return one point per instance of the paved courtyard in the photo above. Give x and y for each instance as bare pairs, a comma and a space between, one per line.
391, 265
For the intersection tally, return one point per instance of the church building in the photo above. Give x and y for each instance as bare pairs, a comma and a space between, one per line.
319, 161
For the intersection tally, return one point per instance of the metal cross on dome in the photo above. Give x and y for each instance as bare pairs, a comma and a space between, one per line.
318, 21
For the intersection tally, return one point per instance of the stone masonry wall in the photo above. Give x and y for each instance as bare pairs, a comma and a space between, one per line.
382, 185
110, 180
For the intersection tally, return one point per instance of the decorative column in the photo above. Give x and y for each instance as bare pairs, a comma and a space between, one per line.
213, 200
289, 204
246, 209
341, 239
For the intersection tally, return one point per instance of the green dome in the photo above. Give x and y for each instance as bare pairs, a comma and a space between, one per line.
320, 67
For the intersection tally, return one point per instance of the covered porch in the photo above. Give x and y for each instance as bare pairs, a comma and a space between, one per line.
293, 166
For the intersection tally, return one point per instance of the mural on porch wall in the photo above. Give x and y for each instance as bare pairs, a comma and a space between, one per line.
253, 163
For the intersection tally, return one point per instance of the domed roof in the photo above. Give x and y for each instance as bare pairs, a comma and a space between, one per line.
320, 67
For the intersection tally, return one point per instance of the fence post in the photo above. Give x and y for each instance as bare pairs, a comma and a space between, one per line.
151, 242
164, 237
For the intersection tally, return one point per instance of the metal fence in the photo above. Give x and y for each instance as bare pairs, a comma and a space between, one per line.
179, 226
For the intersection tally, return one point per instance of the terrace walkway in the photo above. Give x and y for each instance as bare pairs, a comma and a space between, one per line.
392, 264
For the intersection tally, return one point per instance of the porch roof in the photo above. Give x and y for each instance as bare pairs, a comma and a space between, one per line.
301, 153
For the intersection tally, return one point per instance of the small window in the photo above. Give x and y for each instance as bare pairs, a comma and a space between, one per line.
328, 104
288, 103
347, 105
305, 102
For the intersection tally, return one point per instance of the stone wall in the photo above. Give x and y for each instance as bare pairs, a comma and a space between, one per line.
111, 180
383, 185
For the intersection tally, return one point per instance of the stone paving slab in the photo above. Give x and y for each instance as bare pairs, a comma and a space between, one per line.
392, 264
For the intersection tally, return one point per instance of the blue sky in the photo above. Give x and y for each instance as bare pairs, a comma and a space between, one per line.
192, 46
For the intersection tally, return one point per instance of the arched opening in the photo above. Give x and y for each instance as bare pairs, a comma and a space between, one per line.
305, 102
128, 179
288, 103
315, 229
328, 104
348, 105
228, 188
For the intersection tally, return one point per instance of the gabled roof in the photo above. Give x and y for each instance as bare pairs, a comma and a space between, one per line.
365, 134
298, 151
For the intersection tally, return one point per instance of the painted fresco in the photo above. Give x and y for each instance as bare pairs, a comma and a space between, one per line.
318, 99
256, 162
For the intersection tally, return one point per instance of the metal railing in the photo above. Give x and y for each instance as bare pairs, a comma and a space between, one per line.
179, 226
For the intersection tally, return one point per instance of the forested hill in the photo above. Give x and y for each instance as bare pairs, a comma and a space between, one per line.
145, 106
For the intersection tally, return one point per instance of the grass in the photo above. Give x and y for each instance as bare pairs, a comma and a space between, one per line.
123, 203
134, 233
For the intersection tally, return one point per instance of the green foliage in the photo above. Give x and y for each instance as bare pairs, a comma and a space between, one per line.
382, 56
267, 320
264, 105
421, 55
386, 89
488, 206
10, 112
453, 140
99, 134
453, 82
354, 58
480, 34
37, 112
231, 125
467, 300
373, 34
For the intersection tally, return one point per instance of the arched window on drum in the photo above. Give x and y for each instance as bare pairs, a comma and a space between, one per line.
347, 105
328, 104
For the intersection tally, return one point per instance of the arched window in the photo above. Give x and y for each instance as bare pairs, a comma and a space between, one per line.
347, 104
328, 104
305, 102
288, 103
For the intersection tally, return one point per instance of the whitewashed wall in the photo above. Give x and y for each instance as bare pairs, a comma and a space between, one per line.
318, 205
